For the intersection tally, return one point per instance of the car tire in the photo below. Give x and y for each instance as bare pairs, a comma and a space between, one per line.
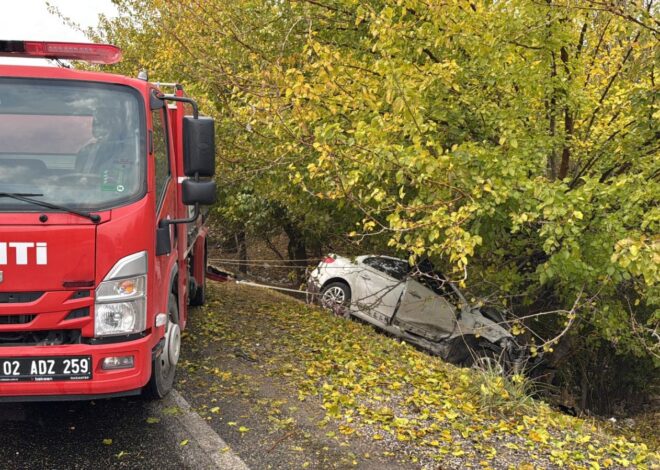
163, 367
336, 296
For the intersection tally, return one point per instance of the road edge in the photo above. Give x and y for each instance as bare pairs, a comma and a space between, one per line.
216, 452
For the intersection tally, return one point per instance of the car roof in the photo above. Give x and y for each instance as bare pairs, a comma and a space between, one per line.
363, 257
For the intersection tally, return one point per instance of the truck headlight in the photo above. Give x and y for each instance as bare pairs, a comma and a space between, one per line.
121, 299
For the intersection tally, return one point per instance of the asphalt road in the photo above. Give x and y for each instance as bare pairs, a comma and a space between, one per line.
118, 433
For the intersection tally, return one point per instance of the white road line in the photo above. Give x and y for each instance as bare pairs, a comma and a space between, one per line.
199, 432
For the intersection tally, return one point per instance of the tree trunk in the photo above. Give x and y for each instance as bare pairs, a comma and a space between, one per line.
316, 248
566, 151
568, 125
296, 250
242, 252
584, 387
552, 117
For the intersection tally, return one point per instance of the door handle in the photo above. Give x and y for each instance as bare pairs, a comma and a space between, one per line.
365, 277
416, 295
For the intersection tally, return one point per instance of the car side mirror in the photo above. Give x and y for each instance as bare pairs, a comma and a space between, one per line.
198, 192
198, 146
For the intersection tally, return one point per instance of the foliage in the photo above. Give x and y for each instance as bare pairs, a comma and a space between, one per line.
515, 141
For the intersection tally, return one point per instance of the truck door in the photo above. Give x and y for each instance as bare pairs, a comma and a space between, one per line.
165, 194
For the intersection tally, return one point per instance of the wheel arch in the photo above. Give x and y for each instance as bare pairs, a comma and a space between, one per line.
174, 289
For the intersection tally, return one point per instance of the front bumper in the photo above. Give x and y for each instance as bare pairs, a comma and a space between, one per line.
103, 382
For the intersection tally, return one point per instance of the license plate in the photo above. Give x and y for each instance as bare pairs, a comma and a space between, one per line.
45, 369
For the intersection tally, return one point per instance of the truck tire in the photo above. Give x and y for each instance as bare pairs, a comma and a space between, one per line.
163, 367
199, 296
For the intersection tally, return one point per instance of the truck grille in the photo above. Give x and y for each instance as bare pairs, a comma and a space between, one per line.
78, 313
16, 319
19, 297
40, 338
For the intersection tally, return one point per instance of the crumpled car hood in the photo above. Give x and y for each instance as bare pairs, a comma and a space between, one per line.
472, 322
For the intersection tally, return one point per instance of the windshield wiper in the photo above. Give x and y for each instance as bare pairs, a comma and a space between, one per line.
27, 197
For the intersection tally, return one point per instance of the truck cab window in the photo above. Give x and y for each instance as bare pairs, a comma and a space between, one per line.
161, 153
76, 144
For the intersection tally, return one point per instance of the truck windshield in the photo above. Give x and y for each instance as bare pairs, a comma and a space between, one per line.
77, 144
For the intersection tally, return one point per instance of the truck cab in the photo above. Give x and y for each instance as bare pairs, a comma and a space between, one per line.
102, 240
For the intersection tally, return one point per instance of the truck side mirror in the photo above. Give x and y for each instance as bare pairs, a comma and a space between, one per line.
198, 192
198, 146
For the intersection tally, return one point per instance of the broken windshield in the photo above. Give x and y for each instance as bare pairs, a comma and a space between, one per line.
79, 144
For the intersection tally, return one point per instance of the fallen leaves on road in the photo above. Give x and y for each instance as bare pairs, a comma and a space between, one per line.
171, 411
412, 404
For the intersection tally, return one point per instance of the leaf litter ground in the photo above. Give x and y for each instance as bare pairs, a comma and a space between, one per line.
291, 386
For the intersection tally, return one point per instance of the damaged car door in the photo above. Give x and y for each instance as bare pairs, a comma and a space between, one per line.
425, 314
379, 287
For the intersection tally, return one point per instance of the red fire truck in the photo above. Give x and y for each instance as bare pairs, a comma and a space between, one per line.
102, 240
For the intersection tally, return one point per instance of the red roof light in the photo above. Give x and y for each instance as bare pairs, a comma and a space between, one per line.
92, 53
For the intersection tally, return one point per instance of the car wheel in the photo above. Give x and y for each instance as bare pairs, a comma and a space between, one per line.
336, 296
163, 367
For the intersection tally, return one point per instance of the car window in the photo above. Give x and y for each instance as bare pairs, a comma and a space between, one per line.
437, 283
396, 268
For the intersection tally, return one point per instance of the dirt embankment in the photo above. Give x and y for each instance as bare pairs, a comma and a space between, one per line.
291, 386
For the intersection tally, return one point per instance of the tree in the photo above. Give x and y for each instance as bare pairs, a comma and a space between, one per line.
514, 141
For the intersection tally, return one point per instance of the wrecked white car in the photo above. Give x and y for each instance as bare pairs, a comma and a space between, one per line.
418, 306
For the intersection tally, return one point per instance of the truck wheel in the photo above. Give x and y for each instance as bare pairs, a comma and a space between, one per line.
163, 367
199, 297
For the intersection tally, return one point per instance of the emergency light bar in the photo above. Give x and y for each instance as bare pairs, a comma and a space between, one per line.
89, 52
